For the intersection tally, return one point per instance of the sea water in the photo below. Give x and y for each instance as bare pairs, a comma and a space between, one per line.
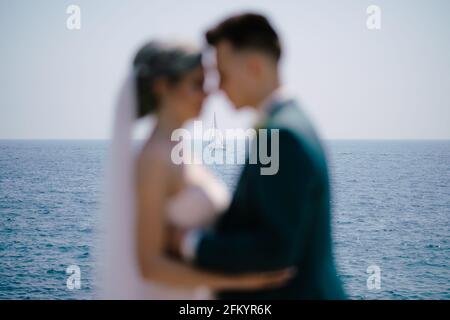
391, 209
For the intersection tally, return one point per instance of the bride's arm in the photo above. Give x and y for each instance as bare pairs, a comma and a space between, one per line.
152, 177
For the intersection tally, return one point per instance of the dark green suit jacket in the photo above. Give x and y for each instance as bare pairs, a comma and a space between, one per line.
281, 220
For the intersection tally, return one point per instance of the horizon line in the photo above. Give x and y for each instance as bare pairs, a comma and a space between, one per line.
325, 139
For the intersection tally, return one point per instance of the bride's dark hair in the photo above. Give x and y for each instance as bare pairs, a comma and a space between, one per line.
157, 60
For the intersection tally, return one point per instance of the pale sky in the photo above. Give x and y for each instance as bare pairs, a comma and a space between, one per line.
355, 83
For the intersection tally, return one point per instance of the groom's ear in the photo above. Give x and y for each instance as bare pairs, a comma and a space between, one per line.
254, 64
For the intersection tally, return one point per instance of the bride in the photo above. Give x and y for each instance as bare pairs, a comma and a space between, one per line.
147, 194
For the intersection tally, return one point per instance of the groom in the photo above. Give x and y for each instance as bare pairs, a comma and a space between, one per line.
279, 220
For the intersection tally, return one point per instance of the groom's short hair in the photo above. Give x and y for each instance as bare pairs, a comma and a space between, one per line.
247, 31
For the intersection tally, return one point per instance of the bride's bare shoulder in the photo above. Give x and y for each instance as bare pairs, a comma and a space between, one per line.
154, 158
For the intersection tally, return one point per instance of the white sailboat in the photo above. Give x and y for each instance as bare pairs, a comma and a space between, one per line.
216, 141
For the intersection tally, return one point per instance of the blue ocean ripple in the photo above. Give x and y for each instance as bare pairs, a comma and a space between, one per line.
390, 203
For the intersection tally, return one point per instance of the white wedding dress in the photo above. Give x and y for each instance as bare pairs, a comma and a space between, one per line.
197, 205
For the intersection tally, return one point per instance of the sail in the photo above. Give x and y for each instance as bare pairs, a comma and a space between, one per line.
216, 141
215, 122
